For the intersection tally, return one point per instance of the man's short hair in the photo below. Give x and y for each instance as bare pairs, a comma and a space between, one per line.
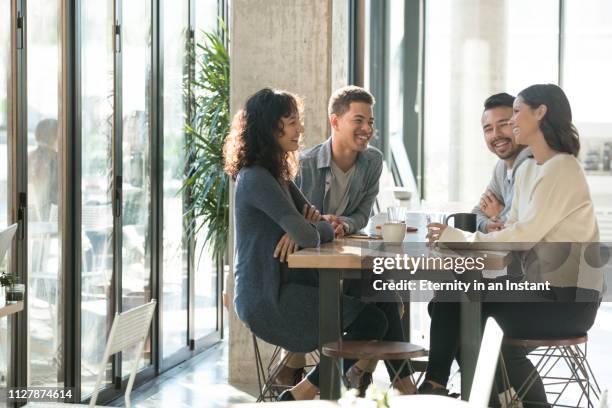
499, 99
341, 99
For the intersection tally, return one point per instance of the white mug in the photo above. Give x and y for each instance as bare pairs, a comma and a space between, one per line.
393, 232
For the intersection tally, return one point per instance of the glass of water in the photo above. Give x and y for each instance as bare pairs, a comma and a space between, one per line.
434, 217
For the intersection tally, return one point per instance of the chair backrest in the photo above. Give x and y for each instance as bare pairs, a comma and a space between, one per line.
6, 237
486, 365
128, 329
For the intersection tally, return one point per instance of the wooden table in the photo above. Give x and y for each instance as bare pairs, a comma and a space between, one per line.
6, 310
346, 258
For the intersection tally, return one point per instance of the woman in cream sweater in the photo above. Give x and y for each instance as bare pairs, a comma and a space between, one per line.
552, 204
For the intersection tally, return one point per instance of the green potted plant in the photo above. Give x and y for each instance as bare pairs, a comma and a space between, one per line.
7, 280
208, 124
12, 288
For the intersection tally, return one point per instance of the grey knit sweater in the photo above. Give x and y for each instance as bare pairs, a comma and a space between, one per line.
278, 304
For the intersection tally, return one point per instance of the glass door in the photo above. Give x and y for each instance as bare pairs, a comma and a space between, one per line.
97, 110
207, 273
136, 162
43, 164
174, 285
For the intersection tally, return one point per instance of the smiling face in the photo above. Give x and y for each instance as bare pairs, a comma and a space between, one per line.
354, 128
498, 132
525, 121
289, 136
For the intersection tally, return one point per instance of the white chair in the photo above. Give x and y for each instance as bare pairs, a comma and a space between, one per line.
483, 376
128, 329
6, 239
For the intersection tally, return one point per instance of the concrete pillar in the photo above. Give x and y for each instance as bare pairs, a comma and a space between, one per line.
300, 46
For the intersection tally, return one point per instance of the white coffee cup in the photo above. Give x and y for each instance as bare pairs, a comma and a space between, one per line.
393, 232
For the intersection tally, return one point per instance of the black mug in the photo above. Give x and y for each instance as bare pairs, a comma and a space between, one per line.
463, 221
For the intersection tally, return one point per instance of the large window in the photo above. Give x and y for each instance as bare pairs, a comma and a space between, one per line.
587, 62
586, 65
98, 96
395, 64
473, 49
97, 88
175, 290
206, 273
513, 45
136, 148
43, 163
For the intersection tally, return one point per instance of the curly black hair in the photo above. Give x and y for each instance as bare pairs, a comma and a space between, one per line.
254, 133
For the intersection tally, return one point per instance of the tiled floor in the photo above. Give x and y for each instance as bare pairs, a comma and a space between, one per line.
199, 382
203, 380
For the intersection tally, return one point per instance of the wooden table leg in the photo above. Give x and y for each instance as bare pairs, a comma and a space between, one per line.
330, 329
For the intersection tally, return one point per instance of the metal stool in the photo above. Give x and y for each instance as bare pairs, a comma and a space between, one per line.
268, 391
374, 350
572, 351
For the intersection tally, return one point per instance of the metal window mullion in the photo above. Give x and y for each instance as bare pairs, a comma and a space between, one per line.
411, 72
561, 45
19, 183
420, 101
378, 69
117, 173
221, 13
70, 193
422, 44
157, 142
190, 238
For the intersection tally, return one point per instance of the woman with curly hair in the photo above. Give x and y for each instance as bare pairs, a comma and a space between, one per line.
278, 304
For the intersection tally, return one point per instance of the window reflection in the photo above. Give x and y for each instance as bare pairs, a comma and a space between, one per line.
44, 250
586, 66
588, 49
175, 292
136, 252
96, 185
467, 60
205, 271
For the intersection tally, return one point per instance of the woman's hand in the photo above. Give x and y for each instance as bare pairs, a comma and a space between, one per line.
285, 247
494, 225
434, 231
311, 213
336, 224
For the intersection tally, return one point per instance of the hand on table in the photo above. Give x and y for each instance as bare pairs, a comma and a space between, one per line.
311, 213
434, 231
490, 205
494, 225
285, 247
336, 224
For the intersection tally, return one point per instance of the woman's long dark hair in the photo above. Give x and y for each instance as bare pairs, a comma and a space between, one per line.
556, 125
254, 133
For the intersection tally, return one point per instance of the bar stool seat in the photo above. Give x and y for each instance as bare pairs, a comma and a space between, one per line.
572, 351
374, 350
530, 343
